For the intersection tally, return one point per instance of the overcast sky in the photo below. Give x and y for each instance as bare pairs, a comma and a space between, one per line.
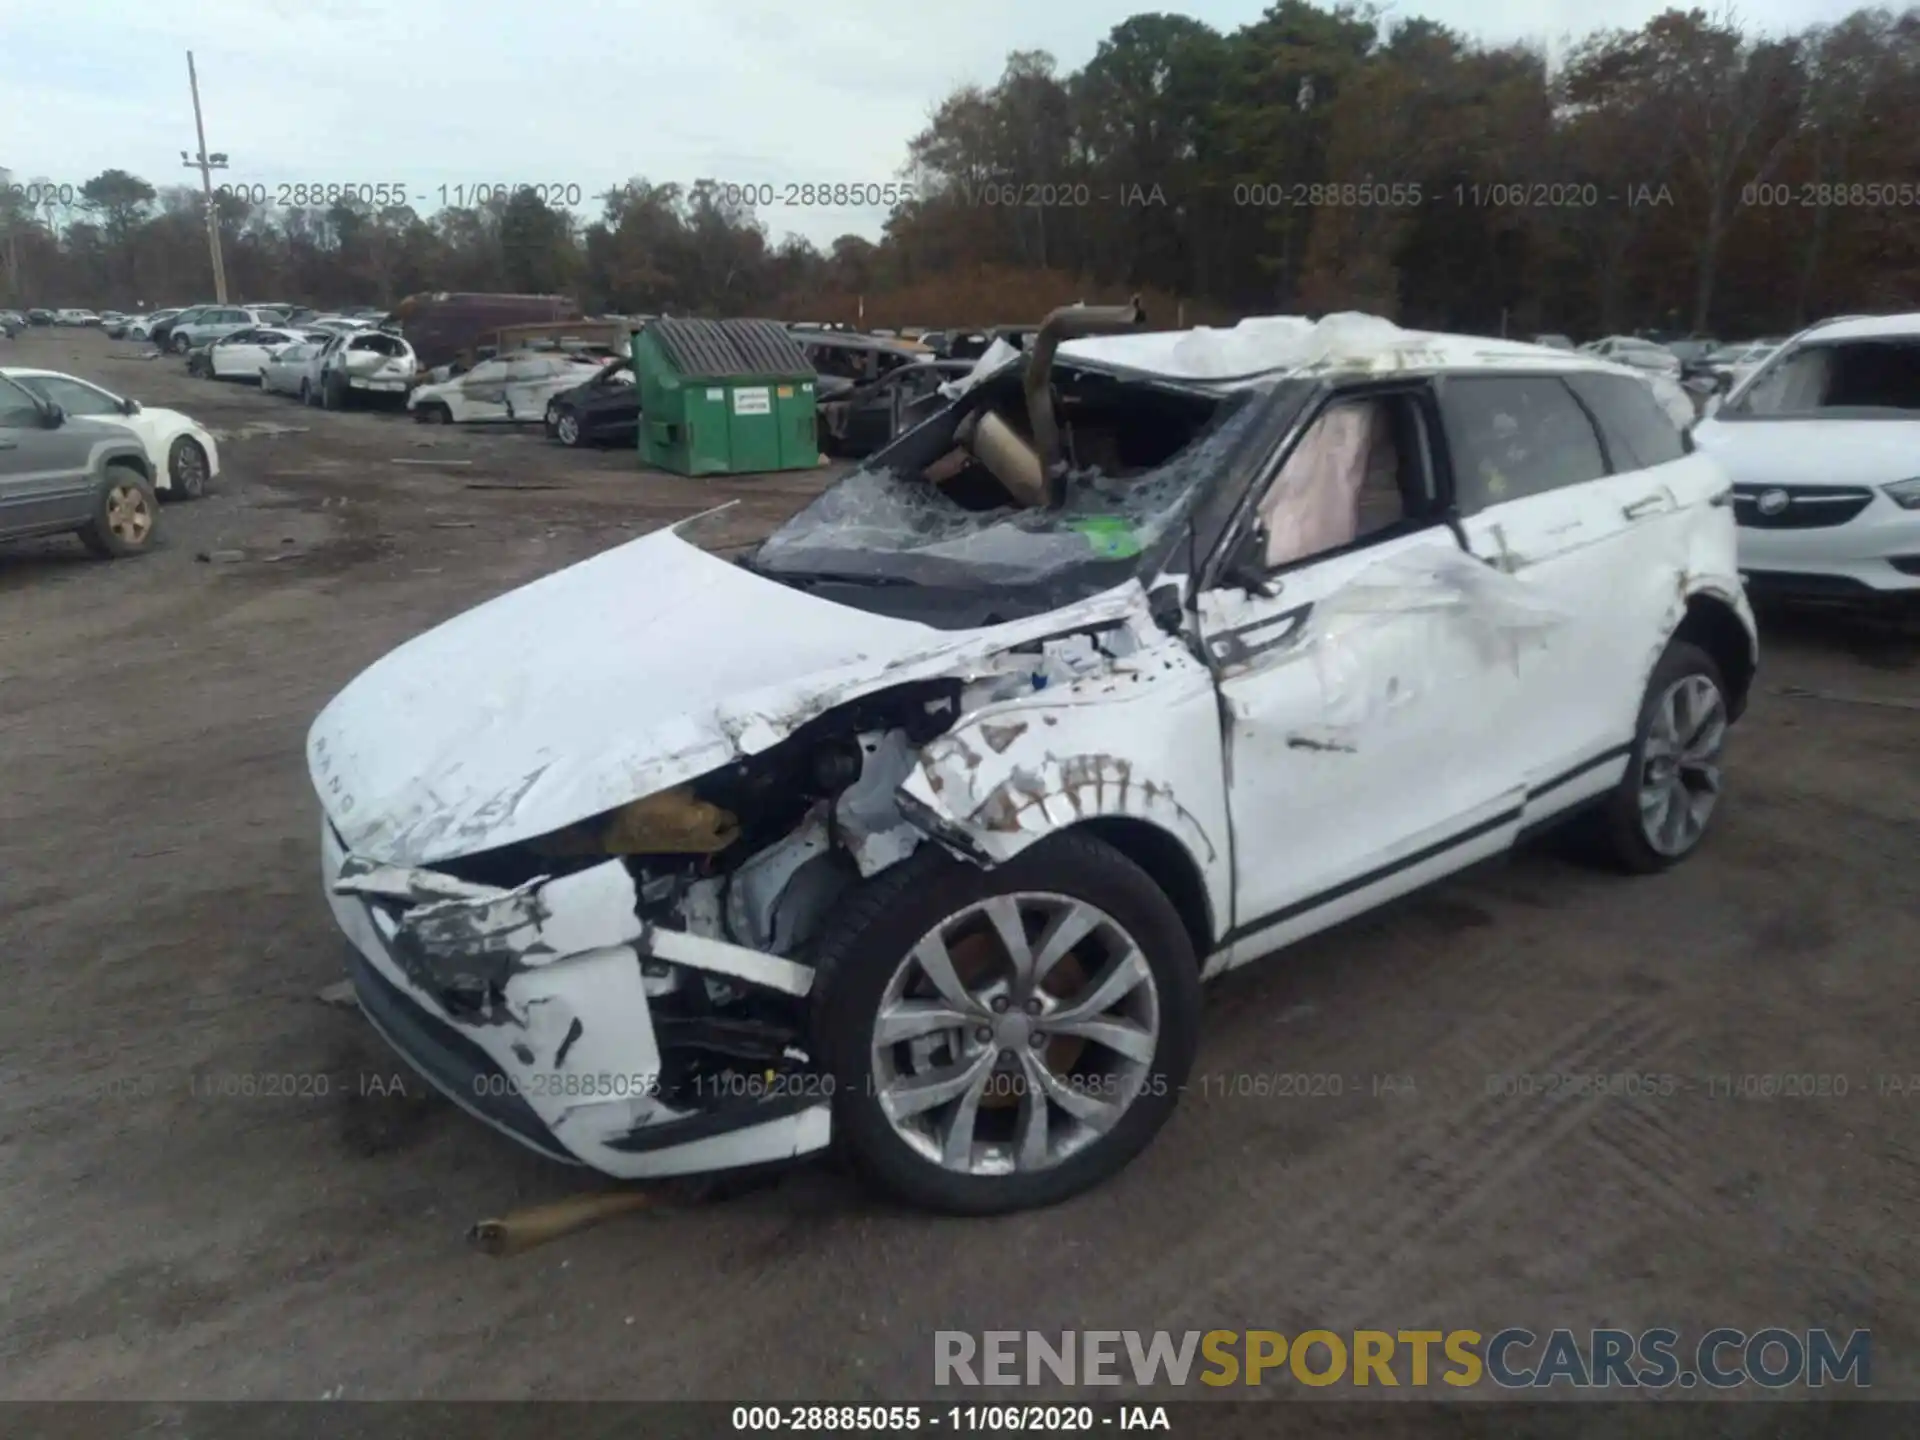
433, 93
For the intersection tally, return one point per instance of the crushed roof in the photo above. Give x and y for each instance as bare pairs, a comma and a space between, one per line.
1346, 343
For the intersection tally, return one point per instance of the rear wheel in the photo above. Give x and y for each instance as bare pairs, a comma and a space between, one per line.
432, 413
187, 468
1002, 1039
1660, 811
123, 515
178, 344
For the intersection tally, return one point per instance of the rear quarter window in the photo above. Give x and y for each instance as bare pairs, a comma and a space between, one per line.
1637, 431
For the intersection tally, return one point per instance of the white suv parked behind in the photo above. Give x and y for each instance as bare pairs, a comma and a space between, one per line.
919, 828
1823, 445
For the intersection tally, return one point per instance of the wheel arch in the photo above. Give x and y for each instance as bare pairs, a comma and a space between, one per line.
1712, 623
1172, 866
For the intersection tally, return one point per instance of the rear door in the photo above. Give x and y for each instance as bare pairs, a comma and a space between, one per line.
46, 482
1585, 521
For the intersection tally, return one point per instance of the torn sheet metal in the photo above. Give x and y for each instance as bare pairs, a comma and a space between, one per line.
866, 815
1135, 736
525, 715
479, 944
993, 359
1468, 616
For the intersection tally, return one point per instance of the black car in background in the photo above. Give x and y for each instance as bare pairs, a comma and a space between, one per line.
39, 317
12, 322
602, 411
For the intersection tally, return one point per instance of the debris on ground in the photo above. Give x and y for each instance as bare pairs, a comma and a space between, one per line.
339, 994
537, 1224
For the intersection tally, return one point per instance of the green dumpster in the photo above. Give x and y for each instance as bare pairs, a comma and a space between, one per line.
724, 397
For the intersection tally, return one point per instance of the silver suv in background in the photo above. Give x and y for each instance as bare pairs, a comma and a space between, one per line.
198, 327
60, 473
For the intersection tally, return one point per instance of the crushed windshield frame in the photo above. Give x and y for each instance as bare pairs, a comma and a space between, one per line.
1232, 427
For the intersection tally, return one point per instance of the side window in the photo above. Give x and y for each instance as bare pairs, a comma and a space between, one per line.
1359, 472
1638, 432
17, 408
1512, 437
74, 397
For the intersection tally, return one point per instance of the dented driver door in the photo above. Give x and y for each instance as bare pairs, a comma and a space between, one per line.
1352, 689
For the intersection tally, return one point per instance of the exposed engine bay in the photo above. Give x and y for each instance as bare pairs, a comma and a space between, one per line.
756, 854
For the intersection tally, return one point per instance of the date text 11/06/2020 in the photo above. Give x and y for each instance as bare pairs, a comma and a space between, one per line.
385, 193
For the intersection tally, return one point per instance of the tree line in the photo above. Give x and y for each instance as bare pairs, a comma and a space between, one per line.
1687, 176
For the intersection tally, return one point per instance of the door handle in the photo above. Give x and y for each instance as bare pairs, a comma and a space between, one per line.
1643, 507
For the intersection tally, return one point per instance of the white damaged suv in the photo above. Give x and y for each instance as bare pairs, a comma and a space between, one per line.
917, 830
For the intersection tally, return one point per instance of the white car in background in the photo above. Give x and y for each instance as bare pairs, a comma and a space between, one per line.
1822, 443
75, 317
1640, 354
293, 369
361, 363
509, 389
183, 455
243, 354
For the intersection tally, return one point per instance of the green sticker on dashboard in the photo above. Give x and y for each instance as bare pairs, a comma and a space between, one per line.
1109, 535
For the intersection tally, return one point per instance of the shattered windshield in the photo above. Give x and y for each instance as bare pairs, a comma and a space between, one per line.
902, 523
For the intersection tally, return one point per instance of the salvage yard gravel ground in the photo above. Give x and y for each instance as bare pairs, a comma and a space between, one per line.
174, 1228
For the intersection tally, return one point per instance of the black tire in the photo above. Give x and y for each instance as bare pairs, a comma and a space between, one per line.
1619, 830
567, 429
178, 344
186, 468
877, 926
432, 413
110, 534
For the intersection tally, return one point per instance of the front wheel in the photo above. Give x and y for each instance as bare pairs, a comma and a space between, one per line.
1659, 813
1003, 1039
566, 429
179, 344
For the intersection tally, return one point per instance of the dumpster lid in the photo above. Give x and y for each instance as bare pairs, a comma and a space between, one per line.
718, 349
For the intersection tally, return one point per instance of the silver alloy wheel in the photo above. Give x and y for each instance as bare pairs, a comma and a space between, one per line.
1680, 764
568, 428
1016, 1033
189, 468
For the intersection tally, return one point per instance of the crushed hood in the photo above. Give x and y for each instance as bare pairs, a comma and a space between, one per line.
646, 666
1812, 451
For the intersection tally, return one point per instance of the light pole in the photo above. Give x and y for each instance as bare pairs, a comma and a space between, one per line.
206, 164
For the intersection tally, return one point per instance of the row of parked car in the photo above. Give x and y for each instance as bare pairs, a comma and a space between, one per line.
871, 387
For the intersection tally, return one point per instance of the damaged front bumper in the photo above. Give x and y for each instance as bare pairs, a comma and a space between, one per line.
529, 1009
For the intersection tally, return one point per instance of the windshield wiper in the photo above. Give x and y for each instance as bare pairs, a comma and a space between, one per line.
831, 577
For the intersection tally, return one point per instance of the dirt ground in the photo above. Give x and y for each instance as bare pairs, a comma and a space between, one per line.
162, 928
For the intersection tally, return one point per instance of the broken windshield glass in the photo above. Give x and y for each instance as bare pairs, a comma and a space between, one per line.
879, 524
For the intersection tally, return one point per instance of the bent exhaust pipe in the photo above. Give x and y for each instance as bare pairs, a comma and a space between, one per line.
1069, 322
